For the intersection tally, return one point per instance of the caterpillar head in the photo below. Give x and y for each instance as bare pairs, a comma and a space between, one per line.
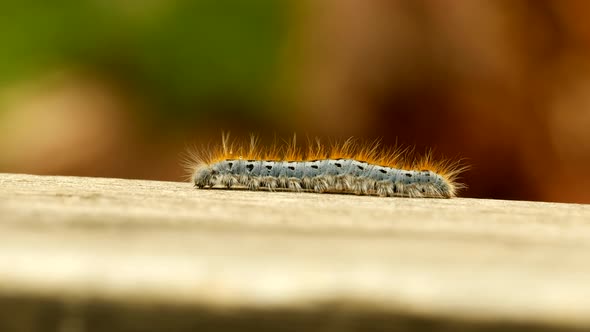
203, 176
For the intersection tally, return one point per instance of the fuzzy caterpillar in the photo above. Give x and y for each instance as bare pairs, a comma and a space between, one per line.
349, 167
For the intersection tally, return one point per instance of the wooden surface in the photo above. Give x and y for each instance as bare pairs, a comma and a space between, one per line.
92, 254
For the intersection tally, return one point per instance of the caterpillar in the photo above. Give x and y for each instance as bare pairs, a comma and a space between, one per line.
350, 167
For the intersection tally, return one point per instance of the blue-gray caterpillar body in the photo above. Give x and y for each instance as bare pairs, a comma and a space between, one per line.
324, 175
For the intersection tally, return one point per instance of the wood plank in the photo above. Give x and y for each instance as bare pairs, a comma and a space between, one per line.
73, 250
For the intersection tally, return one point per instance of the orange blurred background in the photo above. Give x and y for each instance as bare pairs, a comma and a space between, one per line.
120, 89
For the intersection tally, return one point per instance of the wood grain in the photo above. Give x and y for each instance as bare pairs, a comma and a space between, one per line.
91, 254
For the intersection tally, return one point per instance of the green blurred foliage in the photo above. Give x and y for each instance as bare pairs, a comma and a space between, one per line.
176, 52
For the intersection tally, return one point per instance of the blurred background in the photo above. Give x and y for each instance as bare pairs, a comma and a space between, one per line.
122, 88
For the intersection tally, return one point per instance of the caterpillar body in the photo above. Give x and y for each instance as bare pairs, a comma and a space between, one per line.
349, 167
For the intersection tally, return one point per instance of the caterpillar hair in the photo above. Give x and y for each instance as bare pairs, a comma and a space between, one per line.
348, 167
